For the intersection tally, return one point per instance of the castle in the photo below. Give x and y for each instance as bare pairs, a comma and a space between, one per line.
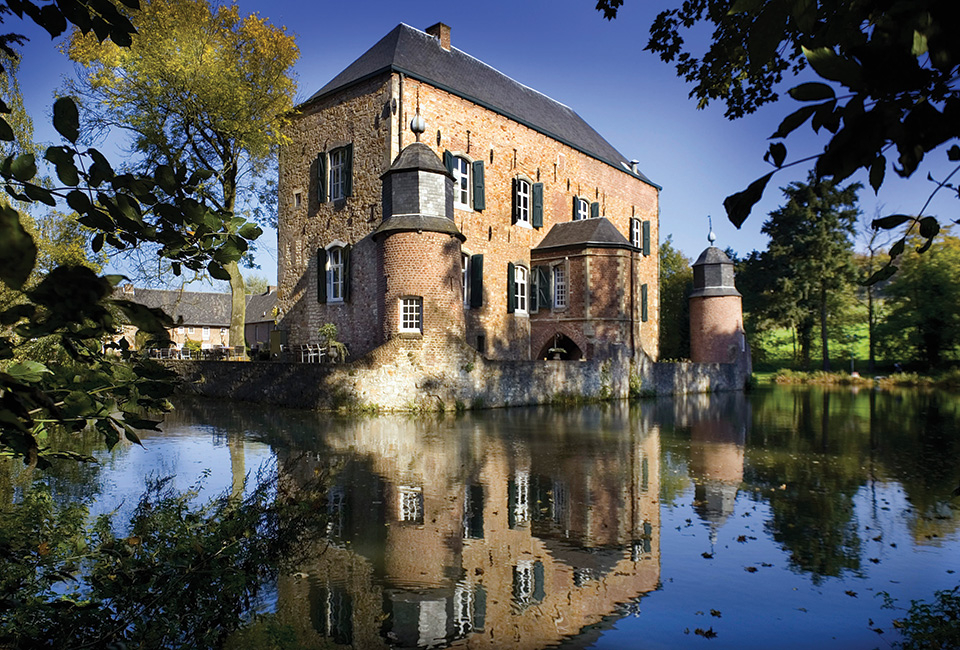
427, 198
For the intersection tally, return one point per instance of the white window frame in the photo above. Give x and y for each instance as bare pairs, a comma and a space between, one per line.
635, 233
462, 187
521, 288
190, 330
583, 209
205, 335
333, 274
560, 286
522, 201
337, 187
411, 314
410, 504
180, 330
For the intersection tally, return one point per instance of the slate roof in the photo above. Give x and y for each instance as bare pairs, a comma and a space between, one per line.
418, 55
595, 233
260, 307
198, 308
712, 255
417, 156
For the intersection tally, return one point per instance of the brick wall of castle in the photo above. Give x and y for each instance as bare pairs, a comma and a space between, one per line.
365, 116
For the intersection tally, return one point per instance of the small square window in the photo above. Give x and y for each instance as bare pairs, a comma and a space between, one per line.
411, 319
190, 330
297, 199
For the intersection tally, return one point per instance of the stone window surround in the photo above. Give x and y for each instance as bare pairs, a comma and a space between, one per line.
332, 296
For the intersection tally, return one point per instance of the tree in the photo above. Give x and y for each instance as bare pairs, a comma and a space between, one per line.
810, 257
875, 242
198, 86
890, 84
676, 282
102, 385
256, 284
924, 301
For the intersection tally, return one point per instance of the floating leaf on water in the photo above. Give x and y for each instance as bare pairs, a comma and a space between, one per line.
715, 612
850, 593
750, 569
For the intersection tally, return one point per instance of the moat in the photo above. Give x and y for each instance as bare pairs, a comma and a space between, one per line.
781, 518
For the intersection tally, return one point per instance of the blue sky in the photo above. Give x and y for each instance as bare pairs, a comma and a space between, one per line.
566, 50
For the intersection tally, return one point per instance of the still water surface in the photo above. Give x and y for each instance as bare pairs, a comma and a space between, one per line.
772, 520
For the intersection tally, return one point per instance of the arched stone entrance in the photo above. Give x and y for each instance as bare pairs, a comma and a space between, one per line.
560, 346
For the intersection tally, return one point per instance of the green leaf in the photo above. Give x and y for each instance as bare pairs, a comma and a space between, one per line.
78, 201
805, 13
66, 119
198, 177
738, 205
250, 231
897, 248
6, 131
877, 171
166, 179
17, 249
792, 121
745, 7
97, 244
40, 194
217, 272
881, 275
919, 44
776, 154
765, 34
28, 371
24, 167
812, 91
891, 221
929, 227
953, 153
828, 65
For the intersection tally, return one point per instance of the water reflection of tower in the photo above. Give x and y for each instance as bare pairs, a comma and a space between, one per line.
717, 438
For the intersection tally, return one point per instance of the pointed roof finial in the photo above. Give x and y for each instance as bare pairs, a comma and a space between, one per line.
711, 236
417, 124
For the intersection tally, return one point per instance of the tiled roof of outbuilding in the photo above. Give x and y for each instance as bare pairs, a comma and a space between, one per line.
597, 233
418, 55
199, 308
195, 307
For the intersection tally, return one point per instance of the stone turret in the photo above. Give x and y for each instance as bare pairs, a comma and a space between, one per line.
716, 313
419, 247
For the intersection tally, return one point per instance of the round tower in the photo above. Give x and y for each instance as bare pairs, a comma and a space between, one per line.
419, 247
716, 313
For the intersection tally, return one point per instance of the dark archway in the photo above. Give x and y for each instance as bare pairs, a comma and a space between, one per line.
560, 346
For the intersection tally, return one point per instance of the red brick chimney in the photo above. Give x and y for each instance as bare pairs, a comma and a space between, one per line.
441, 32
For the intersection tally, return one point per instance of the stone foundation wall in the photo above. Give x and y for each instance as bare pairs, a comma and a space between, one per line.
402, 375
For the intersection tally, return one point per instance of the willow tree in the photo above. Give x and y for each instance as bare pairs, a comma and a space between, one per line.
199, 86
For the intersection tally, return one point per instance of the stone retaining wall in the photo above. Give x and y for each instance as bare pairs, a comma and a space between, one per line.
400, 377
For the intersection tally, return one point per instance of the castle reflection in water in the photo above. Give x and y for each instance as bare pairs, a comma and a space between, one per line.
510, 530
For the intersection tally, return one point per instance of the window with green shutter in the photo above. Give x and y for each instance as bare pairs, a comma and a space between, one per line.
543, 286
646, 238
594, 210
643, 303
